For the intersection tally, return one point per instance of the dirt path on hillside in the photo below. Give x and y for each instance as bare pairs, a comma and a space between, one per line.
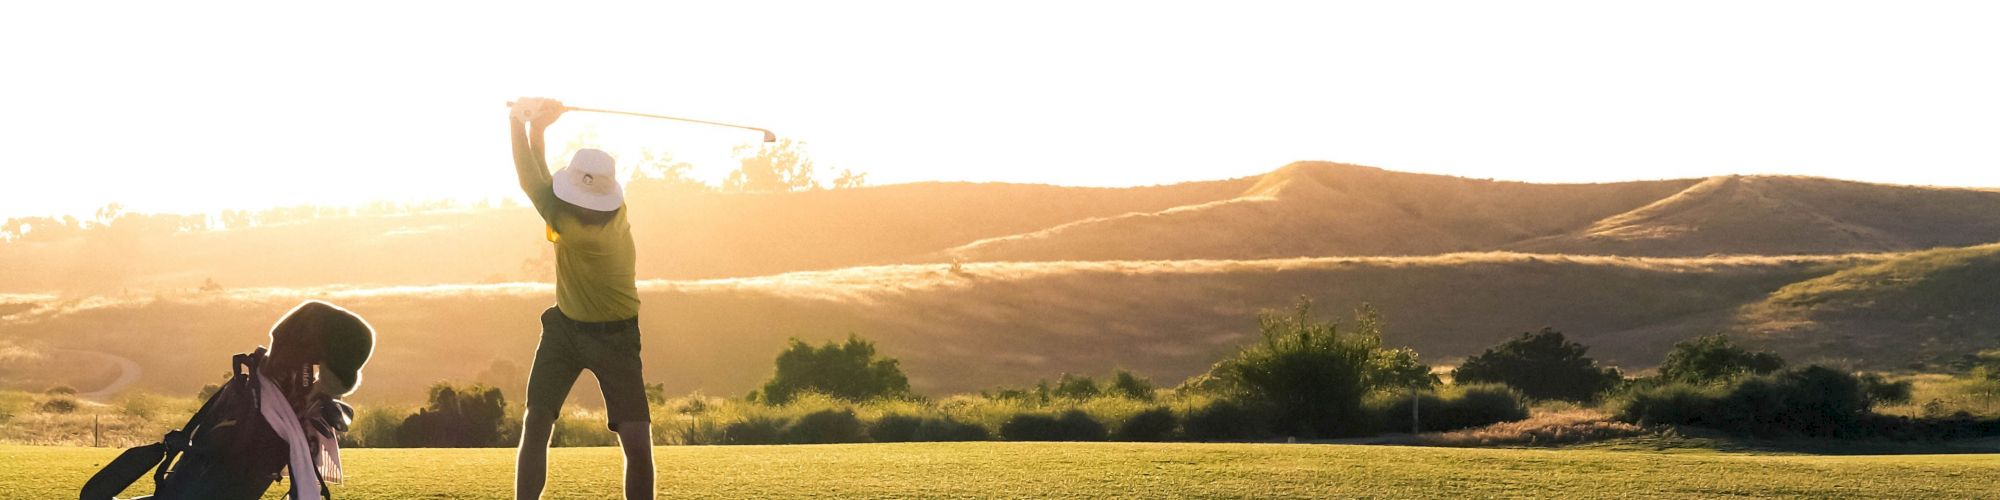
128, 373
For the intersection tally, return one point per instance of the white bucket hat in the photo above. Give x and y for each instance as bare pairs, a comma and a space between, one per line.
590, 181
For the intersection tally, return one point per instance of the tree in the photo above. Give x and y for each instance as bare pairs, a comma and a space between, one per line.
1309, 373
1712, 358
783, 166
849, 179
660, 171
1129, 385
1542, 365
1076, 387
456, 417
849, 371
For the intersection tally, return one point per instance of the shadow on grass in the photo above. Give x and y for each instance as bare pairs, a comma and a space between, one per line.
1699, 440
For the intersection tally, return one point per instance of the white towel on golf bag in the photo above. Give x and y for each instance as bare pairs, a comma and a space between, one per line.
278, 412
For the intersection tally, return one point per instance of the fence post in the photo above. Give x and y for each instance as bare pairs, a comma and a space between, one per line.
1415, 424
96, 432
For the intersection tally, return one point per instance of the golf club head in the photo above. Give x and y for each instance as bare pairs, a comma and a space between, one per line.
770, 137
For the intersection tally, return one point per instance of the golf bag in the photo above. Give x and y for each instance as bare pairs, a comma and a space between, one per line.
226, 451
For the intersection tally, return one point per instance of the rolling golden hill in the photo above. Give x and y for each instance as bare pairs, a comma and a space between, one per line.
972, 328
1919, 307
1163, 279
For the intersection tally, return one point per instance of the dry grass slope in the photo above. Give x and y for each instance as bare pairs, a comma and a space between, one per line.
985, 324
1788, 215
1927, 306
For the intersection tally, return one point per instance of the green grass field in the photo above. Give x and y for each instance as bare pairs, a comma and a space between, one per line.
1108, 470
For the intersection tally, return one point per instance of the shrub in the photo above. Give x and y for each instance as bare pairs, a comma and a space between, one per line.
944, 429
1072, 425
1673, 403
849, 371
1458, 407
1224, 420
1156, 424
1882, 390
1809, 401
1124, 383
208, 391
60, 390
1543, 365
826, 426
1712, 358
1478, 405
895, 429
756, 430
1075, 387
578, 428
374, 427
59, 404
1309, 374
456, 417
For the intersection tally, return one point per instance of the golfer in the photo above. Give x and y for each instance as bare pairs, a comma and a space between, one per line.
595, 322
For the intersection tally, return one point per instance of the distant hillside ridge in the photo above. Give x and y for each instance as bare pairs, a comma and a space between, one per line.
1778, 215
1304, 209
1922, 307
1332, 209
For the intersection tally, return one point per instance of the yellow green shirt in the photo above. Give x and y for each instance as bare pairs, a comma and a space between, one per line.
595, 280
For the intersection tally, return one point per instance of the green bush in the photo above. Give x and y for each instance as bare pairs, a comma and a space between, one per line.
826, 426
1811, 401
756, 430
457, 417
577, 429
1072, 425
1674, 403
1156, 424
1712, 358
1454, 408
1309, 374
895, 428
898, 428
60, 390
374, 427
1224, 420
1126, 384
1543, 365
944, 429
1075, 387
849, 371
59, 404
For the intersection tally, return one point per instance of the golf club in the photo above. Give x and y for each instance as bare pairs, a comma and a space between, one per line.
768, 136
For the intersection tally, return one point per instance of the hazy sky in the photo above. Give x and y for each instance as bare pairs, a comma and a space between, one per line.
168, 106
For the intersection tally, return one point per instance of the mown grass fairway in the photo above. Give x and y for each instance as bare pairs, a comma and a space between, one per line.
1107, 470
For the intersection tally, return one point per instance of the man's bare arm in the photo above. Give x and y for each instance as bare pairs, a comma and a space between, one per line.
530, 165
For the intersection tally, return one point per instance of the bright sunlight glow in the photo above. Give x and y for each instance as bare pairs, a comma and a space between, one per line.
167, 106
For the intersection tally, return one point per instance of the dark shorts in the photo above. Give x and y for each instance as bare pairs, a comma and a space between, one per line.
609, 350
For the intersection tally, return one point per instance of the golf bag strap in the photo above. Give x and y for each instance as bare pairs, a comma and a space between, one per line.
181, 440
121, 472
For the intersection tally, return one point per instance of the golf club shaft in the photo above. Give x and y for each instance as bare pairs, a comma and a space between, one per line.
768, 136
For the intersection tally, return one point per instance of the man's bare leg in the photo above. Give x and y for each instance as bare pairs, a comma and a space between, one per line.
637, 440
531, 464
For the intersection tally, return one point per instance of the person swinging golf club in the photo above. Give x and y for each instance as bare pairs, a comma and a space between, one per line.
595, 322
